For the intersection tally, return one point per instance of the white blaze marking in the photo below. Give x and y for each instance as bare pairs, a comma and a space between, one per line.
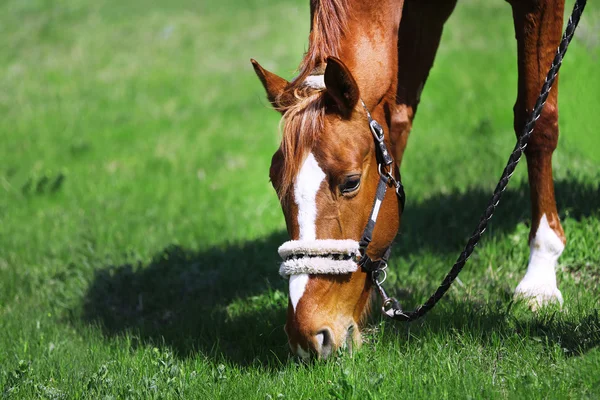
539, 283
306, 187
297, 287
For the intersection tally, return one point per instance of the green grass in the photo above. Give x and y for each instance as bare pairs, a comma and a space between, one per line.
138, 229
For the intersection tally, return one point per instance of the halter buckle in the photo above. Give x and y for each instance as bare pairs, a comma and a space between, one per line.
377, 130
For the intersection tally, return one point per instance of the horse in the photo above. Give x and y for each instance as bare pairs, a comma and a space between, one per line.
372, 58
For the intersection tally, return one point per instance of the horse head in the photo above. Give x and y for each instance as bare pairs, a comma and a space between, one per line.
326, 174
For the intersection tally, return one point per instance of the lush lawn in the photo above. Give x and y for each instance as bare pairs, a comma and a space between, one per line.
138, 229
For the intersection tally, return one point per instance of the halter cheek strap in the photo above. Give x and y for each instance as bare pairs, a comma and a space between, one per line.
384, 165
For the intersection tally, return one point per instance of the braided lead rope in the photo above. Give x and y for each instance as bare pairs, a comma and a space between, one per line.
391, 307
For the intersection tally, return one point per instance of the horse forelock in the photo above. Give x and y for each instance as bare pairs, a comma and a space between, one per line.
301, 124
302, 103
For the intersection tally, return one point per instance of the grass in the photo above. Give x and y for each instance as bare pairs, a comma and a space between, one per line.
138, 228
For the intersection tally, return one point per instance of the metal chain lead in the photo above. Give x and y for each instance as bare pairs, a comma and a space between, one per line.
391, 307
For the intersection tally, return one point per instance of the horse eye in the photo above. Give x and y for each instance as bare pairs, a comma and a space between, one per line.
351, 184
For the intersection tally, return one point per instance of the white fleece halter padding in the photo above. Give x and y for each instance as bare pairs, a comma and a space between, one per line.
318, 257
316, 265
315, 81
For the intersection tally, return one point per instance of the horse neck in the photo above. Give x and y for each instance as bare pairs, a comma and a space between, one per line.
370, 47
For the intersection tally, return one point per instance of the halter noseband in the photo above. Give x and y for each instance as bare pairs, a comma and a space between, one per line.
330, 256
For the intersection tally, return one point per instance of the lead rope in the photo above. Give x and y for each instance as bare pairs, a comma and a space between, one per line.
391, 307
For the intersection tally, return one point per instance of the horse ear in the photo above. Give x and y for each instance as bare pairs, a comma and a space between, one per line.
341, 86
274, 85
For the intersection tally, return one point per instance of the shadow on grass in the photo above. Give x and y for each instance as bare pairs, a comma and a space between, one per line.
187, 300
229, 303
508, 321
442, 223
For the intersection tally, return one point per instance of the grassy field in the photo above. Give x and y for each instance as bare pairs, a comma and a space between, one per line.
138, 228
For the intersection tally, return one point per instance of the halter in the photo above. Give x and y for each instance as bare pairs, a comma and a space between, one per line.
332, 257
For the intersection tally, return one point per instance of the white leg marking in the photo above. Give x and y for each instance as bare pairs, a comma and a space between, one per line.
539, 282
306, 187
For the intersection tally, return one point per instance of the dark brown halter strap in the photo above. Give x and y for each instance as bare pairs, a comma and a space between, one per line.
386, 178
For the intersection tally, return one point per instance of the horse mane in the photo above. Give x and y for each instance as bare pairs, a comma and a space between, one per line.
302, 106
329, 20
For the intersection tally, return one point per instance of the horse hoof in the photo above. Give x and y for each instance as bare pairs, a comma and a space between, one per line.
538, 295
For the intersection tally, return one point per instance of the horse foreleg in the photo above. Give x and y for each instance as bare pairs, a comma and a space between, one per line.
419, 36
538, 25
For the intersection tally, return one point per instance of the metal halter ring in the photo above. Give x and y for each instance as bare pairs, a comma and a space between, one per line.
376, 130
393, 180
388, 304
387, 174
378, 271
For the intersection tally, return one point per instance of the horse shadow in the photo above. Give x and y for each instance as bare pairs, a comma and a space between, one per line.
229, 303
189, 301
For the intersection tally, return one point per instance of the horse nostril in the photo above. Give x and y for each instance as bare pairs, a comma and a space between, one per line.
324, 340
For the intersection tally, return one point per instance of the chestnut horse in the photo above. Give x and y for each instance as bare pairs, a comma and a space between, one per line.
378, 54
